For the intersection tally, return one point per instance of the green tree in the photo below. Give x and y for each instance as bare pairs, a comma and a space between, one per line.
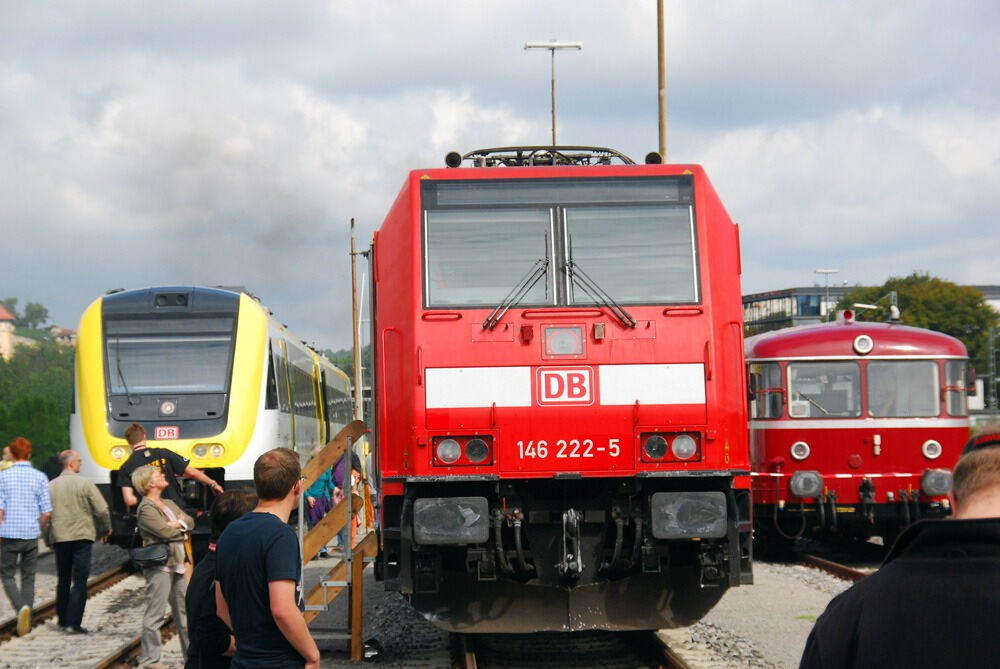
34, 315
344, 360
36, 397
933, 303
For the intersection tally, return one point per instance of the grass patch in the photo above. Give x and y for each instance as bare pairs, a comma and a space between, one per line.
811, 619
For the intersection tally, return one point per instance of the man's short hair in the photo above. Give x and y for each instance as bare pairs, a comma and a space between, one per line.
66, 457
20, 448
229, 506
135, 433
275, 473
978, 468
143, 477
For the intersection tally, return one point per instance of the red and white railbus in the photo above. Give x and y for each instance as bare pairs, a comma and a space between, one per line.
854, 427
559, 391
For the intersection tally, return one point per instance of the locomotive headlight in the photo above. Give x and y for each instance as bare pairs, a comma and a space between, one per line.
168, 408
448, 451
683, 447
117, 452
655, 447
806, 484
935, 482
800, 450
476, 450
931, 449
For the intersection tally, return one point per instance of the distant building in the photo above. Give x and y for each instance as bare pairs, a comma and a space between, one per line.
62, 336
6, 333
784, 308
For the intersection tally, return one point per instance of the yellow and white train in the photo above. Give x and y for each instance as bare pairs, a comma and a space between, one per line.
210, 374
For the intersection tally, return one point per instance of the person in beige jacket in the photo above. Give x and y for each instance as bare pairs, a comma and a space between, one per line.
160, 520
79, 517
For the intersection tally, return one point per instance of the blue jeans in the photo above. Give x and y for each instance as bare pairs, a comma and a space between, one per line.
73, 569
23, 553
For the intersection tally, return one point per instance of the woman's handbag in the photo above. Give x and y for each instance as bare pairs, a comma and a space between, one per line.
150, 555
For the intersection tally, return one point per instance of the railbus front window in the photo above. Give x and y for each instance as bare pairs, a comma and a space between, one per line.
830, 389
905, 388
957, 380
768, 395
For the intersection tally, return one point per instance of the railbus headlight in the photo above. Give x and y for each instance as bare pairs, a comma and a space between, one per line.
477, 450
200, 450
216, 450
655, 447
806, 484
800, 450
683, 447
448, 451
118, 453
931, 449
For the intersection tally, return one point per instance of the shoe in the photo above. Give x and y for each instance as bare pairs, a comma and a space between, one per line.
79, 630
324, 553
24, 620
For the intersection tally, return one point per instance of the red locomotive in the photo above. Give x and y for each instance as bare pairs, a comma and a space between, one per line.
854, 427
558, 382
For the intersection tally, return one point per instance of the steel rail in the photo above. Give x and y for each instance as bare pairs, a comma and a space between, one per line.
834, 568
42, 612
131, 650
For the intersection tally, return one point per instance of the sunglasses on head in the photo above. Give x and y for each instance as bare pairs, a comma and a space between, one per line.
982, 441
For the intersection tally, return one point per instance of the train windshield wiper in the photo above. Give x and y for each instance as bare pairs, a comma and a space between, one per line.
598, 294
814, 403
529, 280
121, 376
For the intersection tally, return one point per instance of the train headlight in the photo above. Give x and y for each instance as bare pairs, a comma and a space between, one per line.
806, 484
168, 408
448, 451
683, 447
936, 482
200, 451
216, 450
118, 453
931, 449
800, 450
655, 447
685, 515
476, 450
863, 344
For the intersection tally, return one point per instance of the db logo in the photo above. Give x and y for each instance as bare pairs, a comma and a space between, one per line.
565, 385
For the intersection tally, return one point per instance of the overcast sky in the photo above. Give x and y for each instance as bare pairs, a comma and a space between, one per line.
231, 142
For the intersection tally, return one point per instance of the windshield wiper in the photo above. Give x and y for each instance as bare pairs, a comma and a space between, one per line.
598, 294
118, 367
528, 282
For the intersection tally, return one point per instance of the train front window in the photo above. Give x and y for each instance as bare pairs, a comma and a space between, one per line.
635, 254
183, 356
903, 388
829, 389
633, 237
957, 380
476, 256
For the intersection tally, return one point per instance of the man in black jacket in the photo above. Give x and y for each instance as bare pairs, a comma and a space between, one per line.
211, 644
936, 598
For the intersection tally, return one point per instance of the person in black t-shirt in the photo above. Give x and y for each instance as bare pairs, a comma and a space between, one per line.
210, 643
168, 462
258, 572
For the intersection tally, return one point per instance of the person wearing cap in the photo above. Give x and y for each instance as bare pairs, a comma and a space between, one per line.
927, 604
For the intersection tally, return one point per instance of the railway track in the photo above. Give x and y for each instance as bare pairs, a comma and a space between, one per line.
609, 650
43, 612
834, 568
128, 654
